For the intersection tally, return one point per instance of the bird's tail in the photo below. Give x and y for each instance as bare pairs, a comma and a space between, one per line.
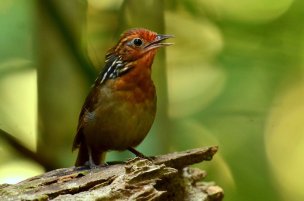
83, 156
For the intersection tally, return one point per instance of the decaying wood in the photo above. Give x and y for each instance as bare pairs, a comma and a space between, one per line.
165, 177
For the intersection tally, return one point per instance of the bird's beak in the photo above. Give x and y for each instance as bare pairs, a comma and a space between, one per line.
158, 42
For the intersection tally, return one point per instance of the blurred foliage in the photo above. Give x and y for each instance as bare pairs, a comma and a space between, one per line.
234, 78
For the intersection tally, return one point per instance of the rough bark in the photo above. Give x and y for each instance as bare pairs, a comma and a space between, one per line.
165, 177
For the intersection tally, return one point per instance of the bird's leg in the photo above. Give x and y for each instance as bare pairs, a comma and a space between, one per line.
91, 161
114, 162
138, 154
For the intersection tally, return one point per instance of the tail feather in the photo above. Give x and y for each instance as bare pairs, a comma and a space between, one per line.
83, 155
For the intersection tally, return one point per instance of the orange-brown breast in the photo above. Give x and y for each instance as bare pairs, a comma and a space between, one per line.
118, 124
138, 80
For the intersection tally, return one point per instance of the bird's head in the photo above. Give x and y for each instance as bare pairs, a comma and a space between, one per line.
135, 43
135, 50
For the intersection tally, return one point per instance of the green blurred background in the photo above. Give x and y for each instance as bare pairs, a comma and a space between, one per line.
234, 78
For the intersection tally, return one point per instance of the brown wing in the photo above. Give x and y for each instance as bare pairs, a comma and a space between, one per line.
109, 71
88, 106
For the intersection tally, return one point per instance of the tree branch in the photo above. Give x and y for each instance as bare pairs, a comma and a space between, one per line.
25, 151
165, 177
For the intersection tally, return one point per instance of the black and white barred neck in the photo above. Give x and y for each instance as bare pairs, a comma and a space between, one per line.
114, 67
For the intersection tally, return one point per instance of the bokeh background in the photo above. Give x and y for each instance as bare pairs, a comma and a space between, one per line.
234, 78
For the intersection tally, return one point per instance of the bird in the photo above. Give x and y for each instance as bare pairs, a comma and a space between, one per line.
120, 108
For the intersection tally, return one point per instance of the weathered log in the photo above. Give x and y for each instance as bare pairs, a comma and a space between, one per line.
165, 177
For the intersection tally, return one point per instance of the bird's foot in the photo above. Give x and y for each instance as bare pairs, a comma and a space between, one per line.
95, 166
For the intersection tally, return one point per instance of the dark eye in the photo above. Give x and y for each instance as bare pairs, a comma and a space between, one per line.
137, 42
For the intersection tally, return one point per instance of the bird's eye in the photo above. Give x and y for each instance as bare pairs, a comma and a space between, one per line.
137, 42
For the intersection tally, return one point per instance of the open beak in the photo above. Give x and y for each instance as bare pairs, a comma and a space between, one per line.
158, 42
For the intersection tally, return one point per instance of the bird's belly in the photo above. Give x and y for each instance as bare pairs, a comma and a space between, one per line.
119, 126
